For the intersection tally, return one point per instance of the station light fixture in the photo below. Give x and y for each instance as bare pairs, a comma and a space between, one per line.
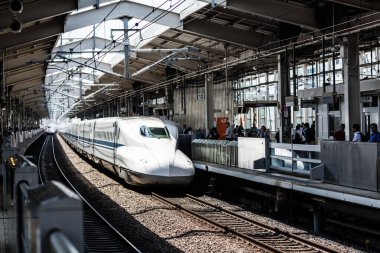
15, 25
16, 6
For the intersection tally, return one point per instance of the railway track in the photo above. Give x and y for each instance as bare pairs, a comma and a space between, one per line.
99, 234
259, 234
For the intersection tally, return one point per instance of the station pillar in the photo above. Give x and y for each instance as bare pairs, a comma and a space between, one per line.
350, 58
209, 95
283, 92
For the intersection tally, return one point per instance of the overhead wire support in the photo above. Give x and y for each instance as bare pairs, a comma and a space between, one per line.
81, 101
146, 68
91, 67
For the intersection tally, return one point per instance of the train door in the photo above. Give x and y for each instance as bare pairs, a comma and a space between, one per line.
115, 142
92, 139
82, 135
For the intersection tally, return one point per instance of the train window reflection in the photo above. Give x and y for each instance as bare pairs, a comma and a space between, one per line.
154, 132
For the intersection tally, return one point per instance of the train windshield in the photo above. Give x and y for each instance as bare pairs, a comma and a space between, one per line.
154, 132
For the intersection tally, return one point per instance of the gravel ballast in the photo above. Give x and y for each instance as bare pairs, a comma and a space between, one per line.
156, 227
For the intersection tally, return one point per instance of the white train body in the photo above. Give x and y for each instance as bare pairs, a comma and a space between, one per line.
140, 150
51, 129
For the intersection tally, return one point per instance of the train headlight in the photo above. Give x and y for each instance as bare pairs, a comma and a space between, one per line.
189, 162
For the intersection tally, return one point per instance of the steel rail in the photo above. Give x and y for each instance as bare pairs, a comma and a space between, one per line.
276, 230
264, 242
90, 206
226, 229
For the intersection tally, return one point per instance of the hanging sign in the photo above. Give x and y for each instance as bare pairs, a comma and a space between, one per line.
308, 103
366, 99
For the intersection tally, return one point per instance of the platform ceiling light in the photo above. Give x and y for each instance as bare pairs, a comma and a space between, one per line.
16, 6
15, 25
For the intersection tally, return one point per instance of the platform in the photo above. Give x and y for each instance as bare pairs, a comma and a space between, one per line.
8, 230
313, 187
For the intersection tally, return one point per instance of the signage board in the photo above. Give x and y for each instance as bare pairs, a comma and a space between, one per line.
308, 103
366, 99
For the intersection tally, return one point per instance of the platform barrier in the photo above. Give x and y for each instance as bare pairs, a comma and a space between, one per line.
49, 219
257, 153
48, 216
184, 143
16, 143
294, 158
352, 164
215, 151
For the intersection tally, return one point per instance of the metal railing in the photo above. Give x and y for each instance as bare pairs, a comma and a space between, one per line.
61, 244
215, 151
48, 216
295, 158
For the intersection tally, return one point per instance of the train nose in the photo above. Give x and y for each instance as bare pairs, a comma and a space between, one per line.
177, 170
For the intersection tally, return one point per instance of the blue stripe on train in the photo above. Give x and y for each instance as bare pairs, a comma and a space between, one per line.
101, 143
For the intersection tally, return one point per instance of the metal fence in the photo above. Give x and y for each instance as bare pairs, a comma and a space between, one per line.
294, 158
297, 158
215, 151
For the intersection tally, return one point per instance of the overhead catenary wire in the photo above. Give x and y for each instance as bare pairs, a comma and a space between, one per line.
273, 50
110, 44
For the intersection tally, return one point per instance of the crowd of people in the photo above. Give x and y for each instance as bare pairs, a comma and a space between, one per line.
231, 133
373, 136
303, 133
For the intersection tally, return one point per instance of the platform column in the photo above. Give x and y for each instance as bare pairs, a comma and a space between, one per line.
351, 108
209, 88
316, 222
283, 92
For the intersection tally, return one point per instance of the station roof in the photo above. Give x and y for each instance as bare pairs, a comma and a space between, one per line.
68, 46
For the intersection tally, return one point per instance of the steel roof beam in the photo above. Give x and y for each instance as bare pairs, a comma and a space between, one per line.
186, 43
225, 33
189, 65
36, 82
79, 62
88, 43
31, 74
31, 34
360, 4
277, 10
25, 60
39, 10
124, 9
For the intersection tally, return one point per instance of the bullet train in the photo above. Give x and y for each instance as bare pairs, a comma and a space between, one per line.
141, 150
51, 129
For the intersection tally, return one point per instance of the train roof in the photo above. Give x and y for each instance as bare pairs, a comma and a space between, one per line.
144, 118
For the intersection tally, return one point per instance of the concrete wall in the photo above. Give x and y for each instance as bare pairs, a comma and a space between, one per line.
195, 115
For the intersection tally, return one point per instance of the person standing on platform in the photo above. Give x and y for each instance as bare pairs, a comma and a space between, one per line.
340, 135
254, 131
375, 135
184, 129
263, 133
307, 133
228, 134
213, 134
292, 132
357, 134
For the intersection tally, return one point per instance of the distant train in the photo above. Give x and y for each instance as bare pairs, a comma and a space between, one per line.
51, 129
141, 150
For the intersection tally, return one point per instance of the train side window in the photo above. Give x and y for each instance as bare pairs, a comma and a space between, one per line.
143, 130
